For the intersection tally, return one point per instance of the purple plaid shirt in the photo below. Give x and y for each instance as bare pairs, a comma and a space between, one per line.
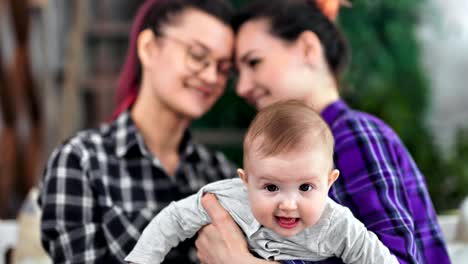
383, 187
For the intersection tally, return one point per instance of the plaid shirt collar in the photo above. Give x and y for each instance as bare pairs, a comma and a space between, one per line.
334, 111
127, 137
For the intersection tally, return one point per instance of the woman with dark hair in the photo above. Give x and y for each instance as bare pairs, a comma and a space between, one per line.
101, 187
288, 49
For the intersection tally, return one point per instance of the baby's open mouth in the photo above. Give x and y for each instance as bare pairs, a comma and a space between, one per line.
287, 222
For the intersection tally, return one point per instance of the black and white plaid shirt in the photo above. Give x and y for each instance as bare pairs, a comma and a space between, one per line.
102, 187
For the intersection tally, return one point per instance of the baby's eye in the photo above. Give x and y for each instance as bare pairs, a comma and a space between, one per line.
305, 187
271, 188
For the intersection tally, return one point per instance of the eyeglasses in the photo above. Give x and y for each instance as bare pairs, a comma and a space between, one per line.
198, 58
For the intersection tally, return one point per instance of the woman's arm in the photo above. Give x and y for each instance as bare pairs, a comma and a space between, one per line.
346, 237
222, 241
379, 192
68, 231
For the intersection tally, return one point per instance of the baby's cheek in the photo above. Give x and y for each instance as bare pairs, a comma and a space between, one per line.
313, 213
312, 219
260, 212
257, 204
260, 206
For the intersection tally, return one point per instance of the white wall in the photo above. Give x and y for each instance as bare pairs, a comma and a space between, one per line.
444, 39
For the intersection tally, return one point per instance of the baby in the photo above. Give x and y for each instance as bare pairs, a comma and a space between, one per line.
280, 199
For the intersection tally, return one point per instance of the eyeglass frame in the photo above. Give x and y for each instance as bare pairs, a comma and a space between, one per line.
204, 62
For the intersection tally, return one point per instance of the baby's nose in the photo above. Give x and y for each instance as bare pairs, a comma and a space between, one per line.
288, 204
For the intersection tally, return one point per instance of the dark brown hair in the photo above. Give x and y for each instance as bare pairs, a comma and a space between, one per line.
289, 18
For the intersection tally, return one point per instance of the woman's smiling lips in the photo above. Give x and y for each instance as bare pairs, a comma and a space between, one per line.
204, 90
256, 96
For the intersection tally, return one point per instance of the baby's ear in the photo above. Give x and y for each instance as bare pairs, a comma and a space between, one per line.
242, 175
333, 176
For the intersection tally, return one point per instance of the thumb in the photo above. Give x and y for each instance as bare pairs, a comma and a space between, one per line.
215, 210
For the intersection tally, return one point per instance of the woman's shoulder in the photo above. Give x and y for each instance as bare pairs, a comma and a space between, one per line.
359, 124
214, 159
87, 140
207, 153
344, 119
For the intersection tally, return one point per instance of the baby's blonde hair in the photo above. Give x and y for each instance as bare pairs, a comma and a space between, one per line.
284, 127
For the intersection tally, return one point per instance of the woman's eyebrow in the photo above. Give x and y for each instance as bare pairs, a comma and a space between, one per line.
203, 45
209, 50
244, 58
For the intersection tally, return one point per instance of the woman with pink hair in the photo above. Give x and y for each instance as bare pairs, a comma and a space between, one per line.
101, 187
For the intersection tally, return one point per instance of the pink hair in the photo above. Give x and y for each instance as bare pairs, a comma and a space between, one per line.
128, 80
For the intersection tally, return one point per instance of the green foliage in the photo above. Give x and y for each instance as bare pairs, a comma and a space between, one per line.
385, 78
450, 186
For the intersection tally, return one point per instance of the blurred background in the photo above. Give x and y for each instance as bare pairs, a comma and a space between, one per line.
59, 62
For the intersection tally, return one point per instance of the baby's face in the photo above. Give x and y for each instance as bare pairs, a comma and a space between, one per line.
287, 192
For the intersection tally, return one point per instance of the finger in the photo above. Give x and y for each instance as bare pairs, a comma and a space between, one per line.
203, 242
214, 209
198, 246
203, 233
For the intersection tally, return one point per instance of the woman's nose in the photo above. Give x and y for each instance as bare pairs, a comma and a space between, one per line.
243, 85
210, 74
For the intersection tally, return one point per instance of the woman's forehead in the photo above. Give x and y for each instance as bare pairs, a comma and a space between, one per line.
197, 25
253, 28
255, 35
